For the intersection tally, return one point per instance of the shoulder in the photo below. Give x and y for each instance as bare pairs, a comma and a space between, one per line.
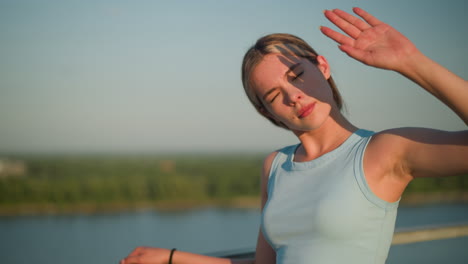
384, 165
399, 142
396, 156
392, 154
267, 162
386, 149
280, 155
422, 152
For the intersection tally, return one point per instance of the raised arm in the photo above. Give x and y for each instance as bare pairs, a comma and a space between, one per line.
377, 44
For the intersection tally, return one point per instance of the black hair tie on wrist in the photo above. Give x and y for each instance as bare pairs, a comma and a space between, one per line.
170, 255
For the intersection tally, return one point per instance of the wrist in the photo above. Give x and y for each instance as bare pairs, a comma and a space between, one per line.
171, 255
413, 63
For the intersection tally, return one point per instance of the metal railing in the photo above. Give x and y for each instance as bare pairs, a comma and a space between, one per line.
401, 236
406, 236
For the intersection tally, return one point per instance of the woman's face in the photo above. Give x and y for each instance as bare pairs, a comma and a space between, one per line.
294, 91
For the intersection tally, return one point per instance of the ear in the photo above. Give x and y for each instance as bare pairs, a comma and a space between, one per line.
323, 66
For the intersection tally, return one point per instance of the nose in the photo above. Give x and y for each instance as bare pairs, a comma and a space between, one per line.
294, 95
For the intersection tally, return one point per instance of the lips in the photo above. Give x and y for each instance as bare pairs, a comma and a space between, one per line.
306, 110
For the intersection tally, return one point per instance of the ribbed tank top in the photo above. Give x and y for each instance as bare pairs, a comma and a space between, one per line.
323, 211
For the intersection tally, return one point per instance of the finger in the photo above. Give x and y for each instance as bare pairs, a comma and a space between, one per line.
137, 251
357, 22
338, 37
367, 17
343, 24
131, 260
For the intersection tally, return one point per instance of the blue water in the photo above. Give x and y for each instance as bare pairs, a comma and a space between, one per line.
452, 251
106, 238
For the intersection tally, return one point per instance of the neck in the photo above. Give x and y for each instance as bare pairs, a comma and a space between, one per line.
329, 136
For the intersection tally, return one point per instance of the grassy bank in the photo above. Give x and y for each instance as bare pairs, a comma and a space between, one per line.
411, 199
115, 207
89, 184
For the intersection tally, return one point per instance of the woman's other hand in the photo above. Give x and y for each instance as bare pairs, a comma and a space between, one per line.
369, 40
147, 255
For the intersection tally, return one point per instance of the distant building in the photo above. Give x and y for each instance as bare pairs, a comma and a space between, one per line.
12, 168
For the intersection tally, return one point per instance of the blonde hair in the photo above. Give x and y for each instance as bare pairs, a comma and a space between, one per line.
285, 44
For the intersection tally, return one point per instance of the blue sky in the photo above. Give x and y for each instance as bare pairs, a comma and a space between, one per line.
164, 76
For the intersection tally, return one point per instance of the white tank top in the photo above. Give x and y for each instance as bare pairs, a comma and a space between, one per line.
323, 211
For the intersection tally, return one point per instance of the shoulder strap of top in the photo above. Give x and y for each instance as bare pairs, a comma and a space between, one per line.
282, 156
361, 178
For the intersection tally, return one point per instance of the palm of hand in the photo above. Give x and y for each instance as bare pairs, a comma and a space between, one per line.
369, 40
382, 46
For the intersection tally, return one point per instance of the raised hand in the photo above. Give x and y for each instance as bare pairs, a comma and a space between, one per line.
369, 40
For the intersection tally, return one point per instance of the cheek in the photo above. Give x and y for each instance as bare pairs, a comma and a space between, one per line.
279, 112
273, 110
318, 89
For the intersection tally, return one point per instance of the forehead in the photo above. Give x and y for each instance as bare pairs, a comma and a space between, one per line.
271, 67
277, 61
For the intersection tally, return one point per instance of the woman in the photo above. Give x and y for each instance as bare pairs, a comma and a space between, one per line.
333, 197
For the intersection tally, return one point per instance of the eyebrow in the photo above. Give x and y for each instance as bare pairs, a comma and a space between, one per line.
291, 68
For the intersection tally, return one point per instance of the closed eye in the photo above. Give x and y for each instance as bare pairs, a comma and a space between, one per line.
298, 75
274, 97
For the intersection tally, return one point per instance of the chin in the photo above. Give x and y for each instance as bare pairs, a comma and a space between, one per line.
303, 129
311, 123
